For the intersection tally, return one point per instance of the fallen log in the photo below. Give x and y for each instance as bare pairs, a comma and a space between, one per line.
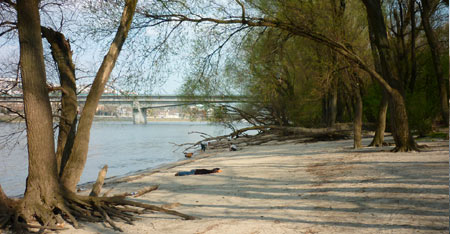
275, 133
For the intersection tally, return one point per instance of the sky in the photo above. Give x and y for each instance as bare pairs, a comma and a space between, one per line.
88, 55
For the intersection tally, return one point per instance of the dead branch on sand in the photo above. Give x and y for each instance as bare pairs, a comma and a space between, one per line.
267, 133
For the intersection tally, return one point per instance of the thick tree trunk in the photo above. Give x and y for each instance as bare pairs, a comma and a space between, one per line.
402, 137
42, 182
399, 117
45, 200
75, 165
427, 10
378, 139
62, 55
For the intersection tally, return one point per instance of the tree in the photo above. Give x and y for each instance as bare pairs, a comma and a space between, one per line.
49, 194
62, 55
427, 9
394, 86
42, 194
297, 27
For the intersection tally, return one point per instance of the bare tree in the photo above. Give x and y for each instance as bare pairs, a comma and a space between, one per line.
47, 194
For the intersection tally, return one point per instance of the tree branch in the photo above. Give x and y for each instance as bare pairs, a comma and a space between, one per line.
243, 9
289, 27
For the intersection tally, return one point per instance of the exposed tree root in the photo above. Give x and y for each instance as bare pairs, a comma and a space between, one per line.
378, 144
111, 208
409, 148
97, 187
74, 208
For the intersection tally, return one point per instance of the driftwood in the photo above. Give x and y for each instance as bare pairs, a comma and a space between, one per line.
146, 190
97, 187
140, 192
171, 205
269, 133
99, 183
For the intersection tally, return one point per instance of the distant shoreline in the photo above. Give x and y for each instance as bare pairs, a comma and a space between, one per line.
12, 118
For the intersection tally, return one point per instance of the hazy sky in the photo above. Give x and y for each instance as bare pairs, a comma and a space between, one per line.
88, 55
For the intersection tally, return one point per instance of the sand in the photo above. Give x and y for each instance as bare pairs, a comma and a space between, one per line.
323, 187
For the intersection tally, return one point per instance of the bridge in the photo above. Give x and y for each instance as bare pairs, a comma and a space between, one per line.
140, 103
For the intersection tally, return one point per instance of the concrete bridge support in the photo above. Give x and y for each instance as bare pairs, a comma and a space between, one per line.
139, 114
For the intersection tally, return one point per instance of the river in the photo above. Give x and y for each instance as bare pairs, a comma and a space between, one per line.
123, 146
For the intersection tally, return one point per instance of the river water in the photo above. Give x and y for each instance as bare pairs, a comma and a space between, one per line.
123, 146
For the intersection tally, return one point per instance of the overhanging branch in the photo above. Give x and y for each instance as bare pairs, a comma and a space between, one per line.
295, 29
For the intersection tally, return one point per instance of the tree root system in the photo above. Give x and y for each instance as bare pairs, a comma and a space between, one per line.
74, 208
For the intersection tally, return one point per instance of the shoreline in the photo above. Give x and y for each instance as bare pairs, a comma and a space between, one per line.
321, 187
198, 155
99, 118
133, 175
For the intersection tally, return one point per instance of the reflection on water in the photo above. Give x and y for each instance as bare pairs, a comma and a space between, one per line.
123, 146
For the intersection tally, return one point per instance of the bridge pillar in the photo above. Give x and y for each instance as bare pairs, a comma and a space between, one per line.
139, 114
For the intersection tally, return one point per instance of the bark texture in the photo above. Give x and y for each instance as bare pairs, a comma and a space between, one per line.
378, 139
46, 202
62, 55
42, 185
97, 187
75, 164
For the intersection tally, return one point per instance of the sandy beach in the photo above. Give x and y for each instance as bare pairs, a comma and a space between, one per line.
323, 187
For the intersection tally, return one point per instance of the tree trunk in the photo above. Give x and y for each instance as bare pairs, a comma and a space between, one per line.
330, 104
42, 182
62, 55
412, 81
75, 165
357, 121
399, 117
333, 104
402, 137
427, 10
378, 139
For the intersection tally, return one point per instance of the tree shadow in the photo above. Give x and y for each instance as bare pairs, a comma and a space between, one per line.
416, 188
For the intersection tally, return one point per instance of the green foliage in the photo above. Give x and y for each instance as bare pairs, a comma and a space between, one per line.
290, 76
292, 80
423, 102
371, 102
